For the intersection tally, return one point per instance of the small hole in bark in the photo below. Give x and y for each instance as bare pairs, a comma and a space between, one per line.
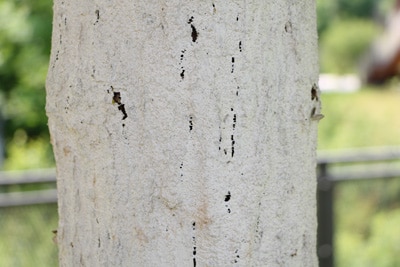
288, 27
194, 33
228, 196
314, 92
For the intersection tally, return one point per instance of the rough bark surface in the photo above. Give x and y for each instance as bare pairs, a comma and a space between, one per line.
185, 132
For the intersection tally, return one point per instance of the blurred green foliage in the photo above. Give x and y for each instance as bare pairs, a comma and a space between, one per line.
357, 8
367, 223
345, 28
344, 43
25, 34
328, 11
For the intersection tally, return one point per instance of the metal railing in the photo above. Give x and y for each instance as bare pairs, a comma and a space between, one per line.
346, 165
375, 163
22, 198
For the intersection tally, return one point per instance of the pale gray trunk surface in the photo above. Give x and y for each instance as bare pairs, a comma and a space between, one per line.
185, 132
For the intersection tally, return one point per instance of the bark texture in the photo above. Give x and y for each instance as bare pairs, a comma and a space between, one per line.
185, 132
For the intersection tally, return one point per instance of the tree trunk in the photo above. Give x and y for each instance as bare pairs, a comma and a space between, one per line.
185, 132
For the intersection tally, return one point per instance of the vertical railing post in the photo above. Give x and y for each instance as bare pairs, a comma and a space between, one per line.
2, 144
325, 217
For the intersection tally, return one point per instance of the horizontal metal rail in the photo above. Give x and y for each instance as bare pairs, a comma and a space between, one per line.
347, 165
28, 198
27, 177
356, 164
23, 198
359, 155
368, 172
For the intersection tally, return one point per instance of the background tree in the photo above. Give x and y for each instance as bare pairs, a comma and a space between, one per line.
185, 132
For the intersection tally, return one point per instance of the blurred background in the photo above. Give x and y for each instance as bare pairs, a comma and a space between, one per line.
359, 138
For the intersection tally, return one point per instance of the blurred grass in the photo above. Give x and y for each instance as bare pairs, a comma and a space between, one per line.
26, 236
363, 119
367, 220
